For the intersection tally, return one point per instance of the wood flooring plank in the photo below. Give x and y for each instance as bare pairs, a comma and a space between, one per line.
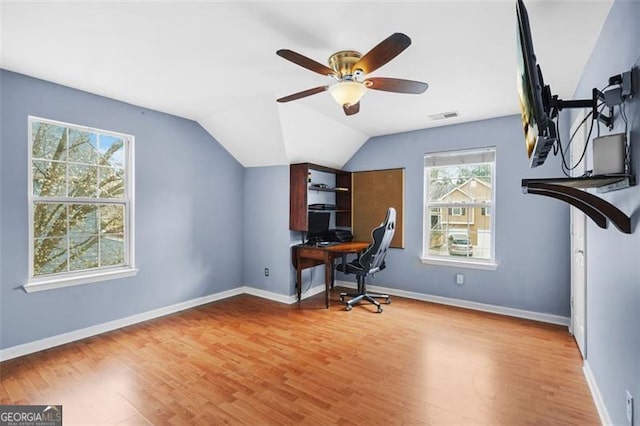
246, 360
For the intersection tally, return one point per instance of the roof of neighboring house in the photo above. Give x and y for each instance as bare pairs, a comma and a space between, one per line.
442, 191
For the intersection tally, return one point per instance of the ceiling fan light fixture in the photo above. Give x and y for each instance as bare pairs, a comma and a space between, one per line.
347, 92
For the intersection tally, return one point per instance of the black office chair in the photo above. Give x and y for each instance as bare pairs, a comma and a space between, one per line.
370, 262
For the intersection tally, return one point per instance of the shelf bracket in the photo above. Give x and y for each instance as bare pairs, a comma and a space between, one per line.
596, 208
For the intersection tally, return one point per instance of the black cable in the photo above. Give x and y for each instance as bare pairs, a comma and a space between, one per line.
586, 117
599, 113
627, 148
584, 151
556, 143
565, 168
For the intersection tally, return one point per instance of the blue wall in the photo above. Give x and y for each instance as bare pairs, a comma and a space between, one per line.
189, 213
267, 238
532, 233
266, 225
613, 258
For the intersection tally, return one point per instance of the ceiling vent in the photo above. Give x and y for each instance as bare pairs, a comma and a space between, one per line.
443, 115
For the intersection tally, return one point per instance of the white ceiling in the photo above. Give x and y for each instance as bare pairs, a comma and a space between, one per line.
215, 63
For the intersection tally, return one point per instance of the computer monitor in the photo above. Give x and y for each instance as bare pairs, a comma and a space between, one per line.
318, 225
535, 98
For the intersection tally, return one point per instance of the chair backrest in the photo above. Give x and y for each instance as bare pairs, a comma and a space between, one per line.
373, 257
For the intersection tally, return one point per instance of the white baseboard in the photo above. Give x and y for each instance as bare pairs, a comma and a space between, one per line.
597, 396
311, 292
61, 339
72, 336
276, 297
264, 294
512, 312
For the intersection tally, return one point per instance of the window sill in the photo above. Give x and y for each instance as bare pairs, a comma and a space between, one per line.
50, 283
490, 266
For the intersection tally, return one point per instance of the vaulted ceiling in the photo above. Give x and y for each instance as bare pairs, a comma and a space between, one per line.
215, 63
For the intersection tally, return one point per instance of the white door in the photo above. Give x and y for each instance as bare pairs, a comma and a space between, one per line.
578, 246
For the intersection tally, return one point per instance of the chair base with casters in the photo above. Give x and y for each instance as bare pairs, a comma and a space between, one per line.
362, 294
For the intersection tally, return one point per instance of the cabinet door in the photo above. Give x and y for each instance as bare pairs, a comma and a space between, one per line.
373, 193
298, 197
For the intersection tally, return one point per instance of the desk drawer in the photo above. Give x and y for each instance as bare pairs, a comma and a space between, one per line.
311, 253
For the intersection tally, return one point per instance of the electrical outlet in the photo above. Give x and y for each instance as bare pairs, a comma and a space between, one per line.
266, 272
629, 409
459, 279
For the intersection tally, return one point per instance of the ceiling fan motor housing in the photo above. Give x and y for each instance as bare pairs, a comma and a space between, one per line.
342, 63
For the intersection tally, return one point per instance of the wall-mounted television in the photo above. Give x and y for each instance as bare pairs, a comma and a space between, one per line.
535, 97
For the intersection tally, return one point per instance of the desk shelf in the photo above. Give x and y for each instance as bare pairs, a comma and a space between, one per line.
299, 199
570, 190
321, 189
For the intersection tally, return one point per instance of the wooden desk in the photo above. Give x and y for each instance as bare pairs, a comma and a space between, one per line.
307, 256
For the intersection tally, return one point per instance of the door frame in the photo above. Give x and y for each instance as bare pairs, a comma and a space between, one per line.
578, 231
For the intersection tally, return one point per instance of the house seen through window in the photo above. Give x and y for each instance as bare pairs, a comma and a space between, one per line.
459, 196
80, 199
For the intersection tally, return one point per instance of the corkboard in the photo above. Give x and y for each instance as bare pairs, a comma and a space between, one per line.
373, 193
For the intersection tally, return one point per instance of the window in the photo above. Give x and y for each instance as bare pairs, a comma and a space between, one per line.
459, 196
80, 204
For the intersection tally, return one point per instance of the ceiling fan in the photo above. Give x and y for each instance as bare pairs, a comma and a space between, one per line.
349, 68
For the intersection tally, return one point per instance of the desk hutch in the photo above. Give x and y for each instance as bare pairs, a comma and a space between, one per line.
299, 195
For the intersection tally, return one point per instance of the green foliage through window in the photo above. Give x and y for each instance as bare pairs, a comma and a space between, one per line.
79, 209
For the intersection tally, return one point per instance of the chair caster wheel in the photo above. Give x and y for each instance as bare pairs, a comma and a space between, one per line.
387, 301
348, 307
379, 309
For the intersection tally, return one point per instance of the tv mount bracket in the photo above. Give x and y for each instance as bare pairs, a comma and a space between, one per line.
569, 190
610, 98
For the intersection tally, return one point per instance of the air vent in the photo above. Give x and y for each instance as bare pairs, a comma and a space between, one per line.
443, 115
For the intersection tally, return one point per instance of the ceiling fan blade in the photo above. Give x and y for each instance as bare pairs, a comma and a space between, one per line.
396, 85
351, 109
385, 51
304, 94
305, 62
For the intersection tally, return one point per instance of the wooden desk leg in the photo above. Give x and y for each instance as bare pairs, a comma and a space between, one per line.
299, 279
327, 277
333, 272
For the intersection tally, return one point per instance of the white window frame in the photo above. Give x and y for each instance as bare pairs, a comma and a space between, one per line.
66, 279
447, 156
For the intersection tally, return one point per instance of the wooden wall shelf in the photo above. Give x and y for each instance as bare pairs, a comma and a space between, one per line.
570, 190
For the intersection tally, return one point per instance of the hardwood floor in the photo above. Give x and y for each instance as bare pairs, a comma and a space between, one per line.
245, 360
